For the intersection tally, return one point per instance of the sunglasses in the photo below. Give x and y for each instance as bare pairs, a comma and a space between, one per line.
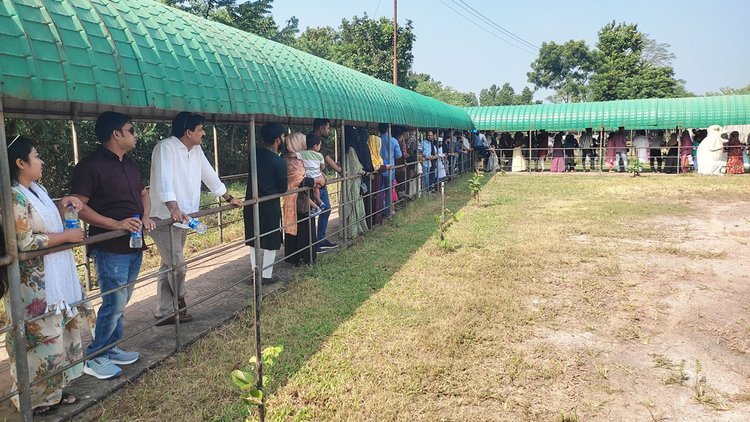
131, 130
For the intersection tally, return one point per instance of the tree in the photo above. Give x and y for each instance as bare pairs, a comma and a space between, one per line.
318, 41
625, 64
506, 95
365, 45
655, 53
565, 68
251, 16
628, 65
731, 91
425, 85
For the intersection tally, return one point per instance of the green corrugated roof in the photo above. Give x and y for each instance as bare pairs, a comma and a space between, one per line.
146, 58
655, 113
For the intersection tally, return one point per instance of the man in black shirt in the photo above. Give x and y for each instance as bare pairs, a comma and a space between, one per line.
272, 179
109, 184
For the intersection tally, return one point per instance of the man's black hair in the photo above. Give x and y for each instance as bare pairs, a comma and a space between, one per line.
397, 131
382, 128
185, 121
108, 122
271, 132
318, 123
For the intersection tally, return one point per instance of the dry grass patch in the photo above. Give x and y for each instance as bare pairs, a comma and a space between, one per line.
560, 304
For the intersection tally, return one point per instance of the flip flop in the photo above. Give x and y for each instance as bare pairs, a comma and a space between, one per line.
68, 398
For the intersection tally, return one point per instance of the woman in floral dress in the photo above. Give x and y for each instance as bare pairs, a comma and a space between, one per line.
49, 284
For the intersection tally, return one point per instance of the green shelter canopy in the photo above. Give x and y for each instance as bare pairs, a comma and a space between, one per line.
656, 113
149, 60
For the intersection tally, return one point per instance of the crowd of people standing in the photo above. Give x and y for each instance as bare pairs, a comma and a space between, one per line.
659, 151
107, 191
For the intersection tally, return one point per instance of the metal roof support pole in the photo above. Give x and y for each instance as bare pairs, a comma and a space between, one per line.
216, 166
391, 176
258, 268
601, 151
75, 129
679, 151
14, 279
530, 151
635, 156
171, 278
419, 163
344, 191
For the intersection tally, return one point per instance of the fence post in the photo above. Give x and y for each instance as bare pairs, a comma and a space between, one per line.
216, 166
679, 149
173, 284
344, 183
14, 279
391, 176
75, 129
258, 269
601, 151
530, 151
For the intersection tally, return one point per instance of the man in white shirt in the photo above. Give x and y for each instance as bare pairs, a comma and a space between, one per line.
586, 143
178, 166
641, 145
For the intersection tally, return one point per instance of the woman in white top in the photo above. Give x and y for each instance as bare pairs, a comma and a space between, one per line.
48, 284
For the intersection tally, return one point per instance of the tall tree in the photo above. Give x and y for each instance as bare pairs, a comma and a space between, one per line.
425, 85
731, 91
565, 68
628, 65
251, 16
505, 95
364, 44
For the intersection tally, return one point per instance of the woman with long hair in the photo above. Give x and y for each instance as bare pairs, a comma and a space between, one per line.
49, 284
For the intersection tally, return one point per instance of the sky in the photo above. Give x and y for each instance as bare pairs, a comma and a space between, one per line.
710, 39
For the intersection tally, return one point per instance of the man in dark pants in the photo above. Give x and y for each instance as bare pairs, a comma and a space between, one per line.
272, 179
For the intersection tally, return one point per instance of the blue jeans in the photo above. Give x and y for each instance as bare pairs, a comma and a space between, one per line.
113, 270
433, 175
388, 192
425, 177
323, 217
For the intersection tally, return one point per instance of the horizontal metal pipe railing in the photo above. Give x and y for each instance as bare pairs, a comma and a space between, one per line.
153, 276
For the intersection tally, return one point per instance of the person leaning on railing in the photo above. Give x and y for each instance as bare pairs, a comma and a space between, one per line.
109, 183
48, 284
272, 180
178, 166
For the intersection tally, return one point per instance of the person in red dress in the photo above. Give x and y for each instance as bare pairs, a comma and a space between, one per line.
735, 165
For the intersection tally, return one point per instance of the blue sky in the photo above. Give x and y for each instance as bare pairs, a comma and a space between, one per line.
710, 39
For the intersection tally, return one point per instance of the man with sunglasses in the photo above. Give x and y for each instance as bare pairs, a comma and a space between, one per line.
178, 166
109, 183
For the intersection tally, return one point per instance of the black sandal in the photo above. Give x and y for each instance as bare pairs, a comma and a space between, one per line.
67, 399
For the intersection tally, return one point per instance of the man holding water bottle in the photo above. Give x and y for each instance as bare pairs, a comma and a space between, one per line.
178, 166
109, 183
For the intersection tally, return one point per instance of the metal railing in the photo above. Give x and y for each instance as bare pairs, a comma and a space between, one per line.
338, 188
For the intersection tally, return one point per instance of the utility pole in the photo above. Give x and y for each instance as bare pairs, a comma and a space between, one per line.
395, 42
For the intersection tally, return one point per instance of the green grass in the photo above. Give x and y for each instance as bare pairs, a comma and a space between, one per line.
398, 327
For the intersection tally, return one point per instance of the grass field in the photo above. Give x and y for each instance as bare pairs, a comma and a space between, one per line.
558, 297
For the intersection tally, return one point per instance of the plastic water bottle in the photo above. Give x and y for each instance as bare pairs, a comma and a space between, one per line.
136, 238
197, 225
71, 218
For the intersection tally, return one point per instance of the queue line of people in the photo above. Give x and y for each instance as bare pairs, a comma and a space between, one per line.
675, 153
108, 193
